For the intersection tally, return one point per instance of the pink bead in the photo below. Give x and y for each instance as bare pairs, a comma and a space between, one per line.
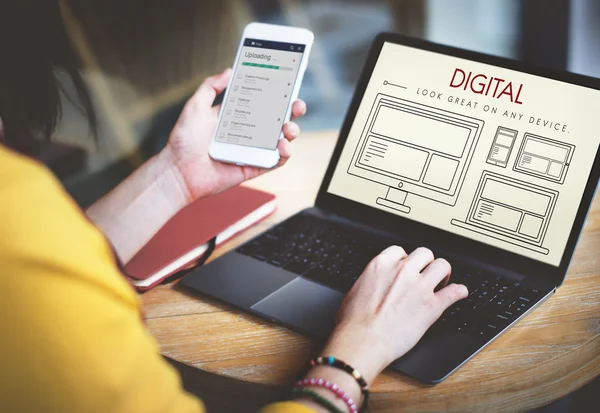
331, 387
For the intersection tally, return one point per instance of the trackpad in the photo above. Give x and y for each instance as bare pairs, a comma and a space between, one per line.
303, 305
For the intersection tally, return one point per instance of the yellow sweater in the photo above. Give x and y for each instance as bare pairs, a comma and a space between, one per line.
72, 335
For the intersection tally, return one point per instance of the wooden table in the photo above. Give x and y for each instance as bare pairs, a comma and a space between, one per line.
549, 354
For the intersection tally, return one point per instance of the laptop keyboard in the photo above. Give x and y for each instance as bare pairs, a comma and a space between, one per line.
319, 250
493, 303
336, 256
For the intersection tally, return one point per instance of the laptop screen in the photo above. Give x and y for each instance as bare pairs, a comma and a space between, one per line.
492, 154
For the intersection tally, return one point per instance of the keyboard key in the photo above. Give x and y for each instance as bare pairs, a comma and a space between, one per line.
273, 237
509, 314
473, 291
298, 266
482, 295
521, 308
501, 320
488, 330
465, 326
453, 312
275, 262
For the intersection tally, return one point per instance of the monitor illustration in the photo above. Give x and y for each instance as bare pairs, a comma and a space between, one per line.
415, 149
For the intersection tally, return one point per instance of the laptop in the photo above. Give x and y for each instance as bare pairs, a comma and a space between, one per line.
489, 162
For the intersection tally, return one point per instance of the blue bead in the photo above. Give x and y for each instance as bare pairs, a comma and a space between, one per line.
331, 360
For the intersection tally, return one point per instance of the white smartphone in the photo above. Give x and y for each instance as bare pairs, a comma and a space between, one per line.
267, 73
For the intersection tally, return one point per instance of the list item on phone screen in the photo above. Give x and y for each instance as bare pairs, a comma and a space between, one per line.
262, 85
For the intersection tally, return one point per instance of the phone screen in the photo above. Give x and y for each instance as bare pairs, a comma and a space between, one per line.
260, 93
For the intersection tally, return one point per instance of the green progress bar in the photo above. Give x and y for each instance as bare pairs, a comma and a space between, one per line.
260, 65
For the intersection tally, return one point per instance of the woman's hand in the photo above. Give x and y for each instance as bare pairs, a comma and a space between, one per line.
188, 145
390, 307
181, 173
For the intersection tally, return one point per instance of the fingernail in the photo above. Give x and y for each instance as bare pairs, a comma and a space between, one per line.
463, 290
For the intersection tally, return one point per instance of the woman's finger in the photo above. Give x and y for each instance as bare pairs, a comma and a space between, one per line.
210, 88
291, 131
285, 150
451, 294
419, 259
396, 255
395, 252
298, 109
437, 272
382, 269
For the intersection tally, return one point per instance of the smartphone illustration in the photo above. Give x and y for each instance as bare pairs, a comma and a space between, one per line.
502, 146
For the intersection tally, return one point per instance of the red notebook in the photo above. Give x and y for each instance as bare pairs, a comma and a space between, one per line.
185, 238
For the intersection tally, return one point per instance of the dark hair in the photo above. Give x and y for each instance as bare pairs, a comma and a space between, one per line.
33, 45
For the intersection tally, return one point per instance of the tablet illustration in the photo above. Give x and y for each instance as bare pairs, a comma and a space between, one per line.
544, 158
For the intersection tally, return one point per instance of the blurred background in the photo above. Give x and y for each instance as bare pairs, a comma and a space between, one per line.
143, 58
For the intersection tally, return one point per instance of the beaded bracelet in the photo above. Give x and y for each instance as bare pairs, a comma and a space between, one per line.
339, 364
339, 393
317, 398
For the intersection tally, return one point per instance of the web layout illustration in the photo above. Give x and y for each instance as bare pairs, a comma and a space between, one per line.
411, 149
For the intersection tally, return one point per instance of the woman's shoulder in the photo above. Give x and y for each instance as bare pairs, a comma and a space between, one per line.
29, 193
17, 169
40, 222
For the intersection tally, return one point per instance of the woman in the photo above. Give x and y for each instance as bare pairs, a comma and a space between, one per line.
73, 339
